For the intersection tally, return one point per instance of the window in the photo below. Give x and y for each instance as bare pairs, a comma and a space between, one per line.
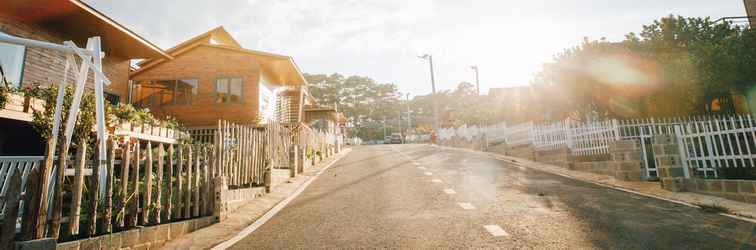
112, 98
165, 92
12, 63
228, 90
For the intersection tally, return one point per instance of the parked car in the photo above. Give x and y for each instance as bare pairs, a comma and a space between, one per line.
396, 138
387, 140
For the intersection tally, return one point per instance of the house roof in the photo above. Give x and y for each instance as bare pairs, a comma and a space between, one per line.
78, 21
218, 35
282, 68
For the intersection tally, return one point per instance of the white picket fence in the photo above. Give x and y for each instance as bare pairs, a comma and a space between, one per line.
727, 142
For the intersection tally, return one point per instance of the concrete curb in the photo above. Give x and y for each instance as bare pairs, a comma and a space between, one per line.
524, 163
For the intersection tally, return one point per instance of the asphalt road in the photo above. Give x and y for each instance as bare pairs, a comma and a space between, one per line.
423, 197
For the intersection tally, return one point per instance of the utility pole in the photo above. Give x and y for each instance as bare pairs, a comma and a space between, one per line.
433, 86
484, 141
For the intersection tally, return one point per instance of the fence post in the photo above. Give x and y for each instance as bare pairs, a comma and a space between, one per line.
109, 187
169, 203
29, 221
159, 194
8, 230
680, 145
75, 215
134, 198
94, 197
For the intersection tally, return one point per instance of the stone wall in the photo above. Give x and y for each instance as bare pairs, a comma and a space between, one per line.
627, 159
227, 201
739, 190
525, 152
560, 157
669, 162
152, 237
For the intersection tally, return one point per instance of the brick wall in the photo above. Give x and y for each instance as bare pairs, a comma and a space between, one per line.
46, 66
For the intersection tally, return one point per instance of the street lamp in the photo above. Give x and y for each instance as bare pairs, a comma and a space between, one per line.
409, 118
477, 82
433, 86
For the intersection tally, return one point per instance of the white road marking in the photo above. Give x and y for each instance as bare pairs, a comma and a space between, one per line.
449, 191
421, 167
437, 180
495, 230
277, 208
466, 205
428, 173
416, 164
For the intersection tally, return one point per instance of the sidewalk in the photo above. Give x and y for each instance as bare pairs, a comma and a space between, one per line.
248, 213
653, 189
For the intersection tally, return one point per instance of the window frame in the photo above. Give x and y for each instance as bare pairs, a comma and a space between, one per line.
22, 68
173, 95
242, 98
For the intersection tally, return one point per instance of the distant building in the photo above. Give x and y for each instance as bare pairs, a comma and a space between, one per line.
750, 6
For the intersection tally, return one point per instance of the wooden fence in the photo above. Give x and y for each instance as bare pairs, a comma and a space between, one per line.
151, 178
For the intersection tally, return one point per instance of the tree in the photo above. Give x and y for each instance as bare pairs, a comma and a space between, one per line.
364, 101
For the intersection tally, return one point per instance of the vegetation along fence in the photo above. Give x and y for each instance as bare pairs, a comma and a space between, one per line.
154, 175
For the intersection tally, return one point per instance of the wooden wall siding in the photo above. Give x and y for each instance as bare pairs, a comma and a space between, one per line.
206, 64
44, 66
153, 182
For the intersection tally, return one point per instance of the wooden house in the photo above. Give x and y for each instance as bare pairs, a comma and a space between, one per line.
211, 77
56, 21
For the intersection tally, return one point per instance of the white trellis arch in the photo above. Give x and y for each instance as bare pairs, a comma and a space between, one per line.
91, 58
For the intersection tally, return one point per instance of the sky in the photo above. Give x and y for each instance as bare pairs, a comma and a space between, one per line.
508, 40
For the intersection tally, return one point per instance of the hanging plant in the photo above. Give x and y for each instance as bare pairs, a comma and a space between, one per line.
5, 95
43, 119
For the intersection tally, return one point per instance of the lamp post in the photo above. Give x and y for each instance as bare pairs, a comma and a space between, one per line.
409, 118
433, 86
477, 82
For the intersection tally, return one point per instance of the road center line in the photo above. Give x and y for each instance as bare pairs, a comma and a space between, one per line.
495, 230
421, 167
449, 191
428, 173
466, 205
436, 181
